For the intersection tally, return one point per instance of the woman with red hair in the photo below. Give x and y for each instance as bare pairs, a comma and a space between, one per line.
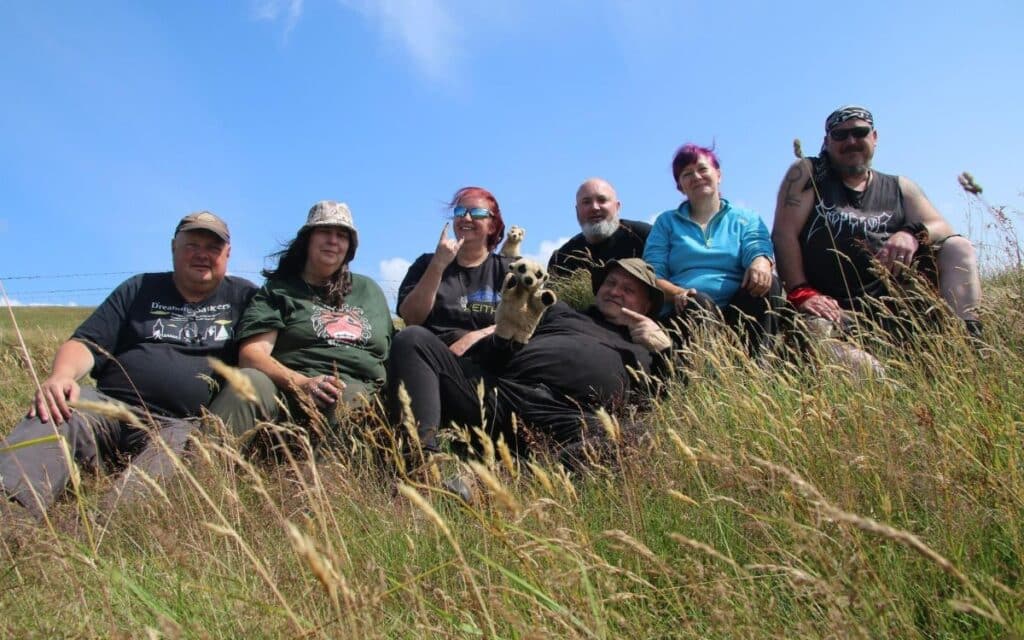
454, 291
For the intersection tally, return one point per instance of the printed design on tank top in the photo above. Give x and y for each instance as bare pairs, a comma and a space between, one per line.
847, 221
342, 327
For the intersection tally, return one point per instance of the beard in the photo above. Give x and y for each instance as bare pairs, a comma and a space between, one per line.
846, 168
595, 232
850, 170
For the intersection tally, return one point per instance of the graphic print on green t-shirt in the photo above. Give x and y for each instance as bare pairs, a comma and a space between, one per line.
347, 325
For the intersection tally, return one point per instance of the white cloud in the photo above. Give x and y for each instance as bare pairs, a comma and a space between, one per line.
19, 303
547, 247
271, 10
392, 271
425, 28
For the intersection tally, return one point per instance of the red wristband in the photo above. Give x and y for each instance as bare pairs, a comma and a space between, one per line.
797, 297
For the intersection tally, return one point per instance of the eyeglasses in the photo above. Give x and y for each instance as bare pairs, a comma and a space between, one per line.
842, 134
477, 213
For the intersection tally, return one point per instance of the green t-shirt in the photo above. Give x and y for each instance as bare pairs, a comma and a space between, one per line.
313, 338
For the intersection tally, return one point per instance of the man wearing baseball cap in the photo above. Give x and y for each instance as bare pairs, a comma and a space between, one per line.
837, 220
147, 346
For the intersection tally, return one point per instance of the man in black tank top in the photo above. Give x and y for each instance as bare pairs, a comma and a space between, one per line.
837, 221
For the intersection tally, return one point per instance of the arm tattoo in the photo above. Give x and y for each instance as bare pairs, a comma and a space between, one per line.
791, 185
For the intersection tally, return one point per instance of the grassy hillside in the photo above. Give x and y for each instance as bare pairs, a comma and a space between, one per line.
774, 501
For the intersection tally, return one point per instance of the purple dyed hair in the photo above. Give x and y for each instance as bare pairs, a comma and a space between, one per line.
690, 153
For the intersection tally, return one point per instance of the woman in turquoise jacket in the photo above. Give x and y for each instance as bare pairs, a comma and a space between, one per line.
709, 254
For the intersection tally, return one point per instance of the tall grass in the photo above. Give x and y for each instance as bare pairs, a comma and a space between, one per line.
755, 501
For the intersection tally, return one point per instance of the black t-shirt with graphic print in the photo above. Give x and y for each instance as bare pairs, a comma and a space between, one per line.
466, 298
844, 231
160, 343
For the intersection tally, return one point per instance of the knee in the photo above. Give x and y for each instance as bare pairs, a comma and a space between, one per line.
957, 251
409, 341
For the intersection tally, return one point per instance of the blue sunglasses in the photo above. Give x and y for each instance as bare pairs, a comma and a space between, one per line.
477, 213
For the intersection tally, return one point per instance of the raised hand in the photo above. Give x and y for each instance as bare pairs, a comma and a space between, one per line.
645, 332
447, 248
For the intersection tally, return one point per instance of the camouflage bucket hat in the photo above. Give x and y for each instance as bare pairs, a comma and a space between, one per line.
328, 213
640, 270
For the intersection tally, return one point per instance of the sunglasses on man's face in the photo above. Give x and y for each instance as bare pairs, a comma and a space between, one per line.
477, 213
858, 133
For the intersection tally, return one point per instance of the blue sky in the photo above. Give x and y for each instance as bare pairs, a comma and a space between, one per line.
118, 118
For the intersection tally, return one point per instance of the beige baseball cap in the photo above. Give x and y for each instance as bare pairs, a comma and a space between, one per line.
204, 221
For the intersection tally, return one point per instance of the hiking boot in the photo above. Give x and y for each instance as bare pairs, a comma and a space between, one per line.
973, 328
859, 362
461, 486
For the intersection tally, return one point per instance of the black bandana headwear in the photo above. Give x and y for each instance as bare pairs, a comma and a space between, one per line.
841, 115
849, 112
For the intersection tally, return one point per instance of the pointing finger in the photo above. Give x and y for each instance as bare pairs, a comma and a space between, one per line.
444, 232
633, 315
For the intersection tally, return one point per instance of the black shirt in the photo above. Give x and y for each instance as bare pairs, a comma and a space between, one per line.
466, 298
627, 242
844, 231
580, 355
160, 343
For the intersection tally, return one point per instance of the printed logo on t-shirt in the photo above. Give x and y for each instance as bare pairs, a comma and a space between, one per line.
345, 326
843, 221
485, 300
186, 324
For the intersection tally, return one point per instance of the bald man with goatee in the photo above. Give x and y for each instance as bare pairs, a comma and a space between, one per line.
604, 235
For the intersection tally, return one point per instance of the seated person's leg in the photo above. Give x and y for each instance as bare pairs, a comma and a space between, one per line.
699, 309
155, 459
959, 280
37, 473
752, 316
441, 386
239, 414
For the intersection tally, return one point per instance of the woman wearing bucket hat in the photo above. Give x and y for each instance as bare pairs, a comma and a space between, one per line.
710, 256
315, 335
454, 291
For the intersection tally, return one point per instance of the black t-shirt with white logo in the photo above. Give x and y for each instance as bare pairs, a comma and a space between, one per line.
466, 298
160, 343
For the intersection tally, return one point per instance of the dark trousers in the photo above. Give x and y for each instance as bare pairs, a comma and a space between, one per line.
35, 474
443, 389
758, 320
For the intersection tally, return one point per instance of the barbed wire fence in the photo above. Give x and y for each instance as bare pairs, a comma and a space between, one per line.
46, 296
